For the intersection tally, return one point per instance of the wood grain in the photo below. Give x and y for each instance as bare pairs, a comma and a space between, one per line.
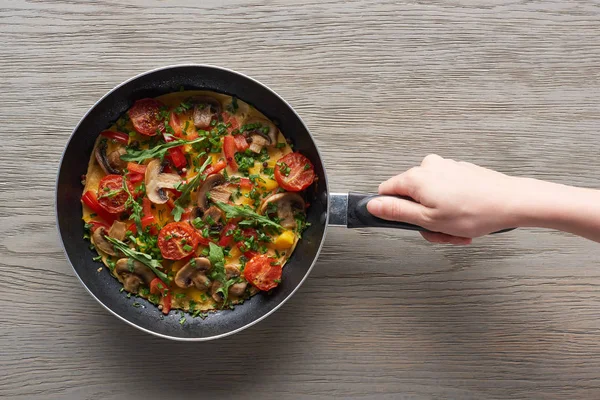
512, 85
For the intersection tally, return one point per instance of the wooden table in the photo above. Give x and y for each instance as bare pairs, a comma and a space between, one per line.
512, 85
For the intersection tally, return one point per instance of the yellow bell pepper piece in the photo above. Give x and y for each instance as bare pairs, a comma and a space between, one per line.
285, 240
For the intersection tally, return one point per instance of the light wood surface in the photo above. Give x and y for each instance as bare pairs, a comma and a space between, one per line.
512, 85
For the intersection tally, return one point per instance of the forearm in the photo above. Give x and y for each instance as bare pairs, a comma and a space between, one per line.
551, 205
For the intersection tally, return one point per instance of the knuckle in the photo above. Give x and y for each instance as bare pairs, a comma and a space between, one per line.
430, 159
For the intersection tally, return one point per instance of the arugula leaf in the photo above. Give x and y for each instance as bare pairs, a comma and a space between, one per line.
217, 259
186, 190
145, 259
136, 208
246, 212
156, 151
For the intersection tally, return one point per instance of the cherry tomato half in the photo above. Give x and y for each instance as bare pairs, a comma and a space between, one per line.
144, 114
111, 195
177, 240
261, 272
294, 172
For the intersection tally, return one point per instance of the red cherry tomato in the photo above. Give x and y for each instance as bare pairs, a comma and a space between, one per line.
261, 272
294, 172
111, 195
229, 151
144, 114
240, 143
91, 201
177, 240
116, 136
159, 287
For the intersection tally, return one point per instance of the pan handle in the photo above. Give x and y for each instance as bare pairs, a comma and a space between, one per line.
350, 210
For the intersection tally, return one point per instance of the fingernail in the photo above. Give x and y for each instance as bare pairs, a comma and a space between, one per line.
374, 206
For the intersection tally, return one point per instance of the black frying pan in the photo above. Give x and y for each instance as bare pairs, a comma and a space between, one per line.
337, 209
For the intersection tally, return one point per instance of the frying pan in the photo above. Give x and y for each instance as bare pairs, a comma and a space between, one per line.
325, 207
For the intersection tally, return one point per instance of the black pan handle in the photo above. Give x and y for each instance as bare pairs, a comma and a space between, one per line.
350, 210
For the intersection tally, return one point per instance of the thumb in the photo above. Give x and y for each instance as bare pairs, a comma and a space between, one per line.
395, 209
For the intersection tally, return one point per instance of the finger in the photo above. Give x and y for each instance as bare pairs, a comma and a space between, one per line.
437, 237
431, 159
394, 209
404, 184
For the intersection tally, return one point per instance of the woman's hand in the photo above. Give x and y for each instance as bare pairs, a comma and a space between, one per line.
457, 199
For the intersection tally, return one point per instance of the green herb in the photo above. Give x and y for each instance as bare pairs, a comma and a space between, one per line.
280, 145
200, 314
156, 151
136, 208
217, 260
233, 107
121, 290
136, 304
186, 190
187, 248
284, 168
97, 258
269, 172
182, 320
235, 211
306, 167
144, 291
180, 295
183, 107
145, 259
111, 263
203, 296
112, 193
256, 178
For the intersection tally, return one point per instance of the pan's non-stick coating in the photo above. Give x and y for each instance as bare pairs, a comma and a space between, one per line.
69, 189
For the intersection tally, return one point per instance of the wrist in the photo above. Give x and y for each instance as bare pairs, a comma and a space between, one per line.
551, 205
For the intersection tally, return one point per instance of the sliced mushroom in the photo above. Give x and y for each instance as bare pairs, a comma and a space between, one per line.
194, 273
133, 273
217, 296
101, 243
118, 230
221, 193
287, 205
213, 213
110, 163
209, 184
237, 289
157, 181
266, 135
205, 109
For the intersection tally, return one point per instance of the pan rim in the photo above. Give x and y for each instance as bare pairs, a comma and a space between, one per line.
251, 323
